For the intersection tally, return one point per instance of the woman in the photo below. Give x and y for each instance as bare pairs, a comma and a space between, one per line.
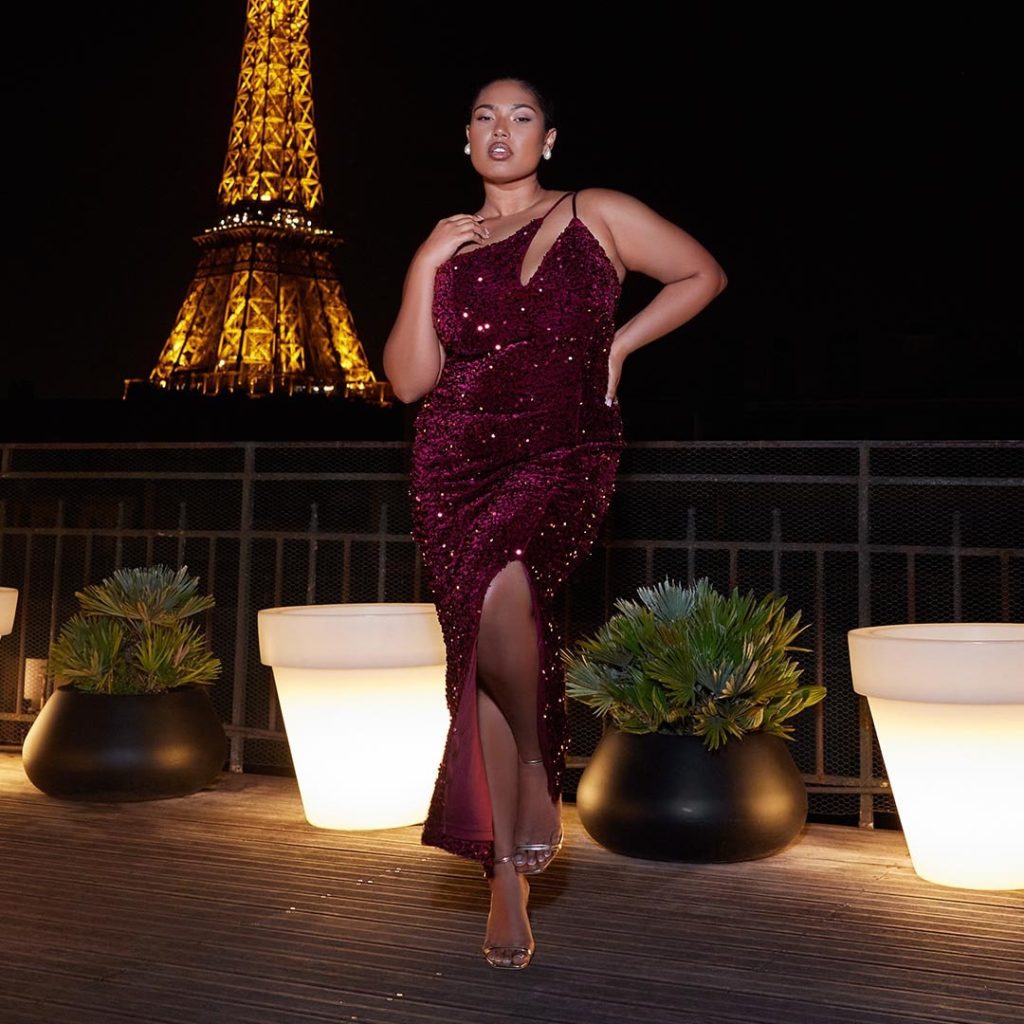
506, 331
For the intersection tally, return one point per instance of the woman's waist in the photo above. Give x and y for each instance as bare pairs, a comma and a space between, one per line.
514, 374
459, 440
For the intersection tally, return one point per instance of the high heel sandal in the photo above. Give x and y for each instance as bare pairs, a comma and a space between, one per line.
496, 955
549, 850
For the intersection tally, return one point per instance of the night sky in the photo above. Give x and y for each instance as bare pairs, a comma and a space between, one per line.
852, 174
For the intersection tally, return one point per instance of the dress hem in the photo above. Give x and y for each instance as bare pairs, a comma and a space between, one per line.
479, 850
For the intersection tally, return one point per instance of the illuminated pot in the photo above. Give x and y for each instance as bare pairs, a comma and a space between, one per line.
362, 693
947, 701
8, 604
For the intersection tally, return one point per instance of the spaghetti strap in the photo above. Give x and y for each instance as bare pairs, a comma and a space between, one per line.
559, 199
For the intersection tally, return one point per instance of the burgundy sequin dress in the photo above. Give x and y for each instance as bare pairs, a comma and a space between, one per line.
514, 456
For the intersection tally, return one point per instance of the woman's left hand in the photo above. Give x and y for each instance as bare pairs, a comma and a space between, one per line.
616, 357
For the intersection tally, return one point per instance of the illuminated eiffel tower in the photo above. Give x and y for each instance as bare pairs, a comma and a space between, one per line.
265, 312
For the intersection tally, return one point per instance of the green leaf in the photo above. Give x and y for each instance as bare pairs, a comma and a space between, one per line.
691, 660
131, 634
87, 653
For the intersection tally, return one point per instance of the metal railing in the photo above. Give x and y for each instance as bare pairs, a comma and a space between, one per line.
853, 533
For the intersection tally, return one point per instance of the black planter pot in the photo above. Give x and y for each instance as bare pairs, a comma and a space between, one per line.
666, 797
146, 746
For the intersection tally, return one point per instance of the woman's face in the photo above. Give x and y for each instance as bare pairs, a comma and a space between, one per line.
506, 131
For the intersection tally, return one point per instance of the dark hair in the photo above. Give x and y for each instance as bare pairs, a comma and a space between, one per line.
547, 107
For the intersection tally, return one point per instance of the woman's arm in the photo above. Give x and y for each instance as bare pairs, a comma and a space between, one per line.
413, 353
645, 241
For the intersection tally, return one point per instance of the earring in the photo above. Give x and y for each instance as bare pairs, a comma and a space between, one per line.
547, 153
466, 150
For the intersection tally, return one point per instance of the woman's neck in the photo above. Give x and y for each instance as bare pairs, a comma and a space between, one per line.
510, 205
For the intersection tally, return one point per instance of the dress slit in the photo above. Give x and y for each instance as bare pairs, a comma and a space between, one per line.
467, 819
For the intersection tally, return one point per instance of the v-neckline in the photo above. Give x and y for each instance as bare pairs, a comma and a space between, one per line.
519, 267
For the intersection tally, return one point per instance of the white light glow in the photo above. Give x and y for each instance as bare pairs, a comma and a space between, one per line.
8, 605
361, 688
947, 701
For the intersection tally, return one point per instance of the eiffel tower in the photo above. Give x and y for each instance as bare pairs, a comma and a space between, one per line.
265, 312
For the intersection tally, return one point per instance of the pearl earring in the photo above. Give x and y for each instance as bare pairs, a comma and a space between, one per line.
466, 150
547, 153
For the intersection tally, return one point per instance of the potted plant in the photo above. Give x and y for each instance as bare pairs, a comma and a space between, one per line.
694, 689
131, 718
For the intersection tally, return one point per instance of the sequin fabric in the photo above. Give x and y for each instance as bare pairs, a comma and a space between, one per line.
514, 456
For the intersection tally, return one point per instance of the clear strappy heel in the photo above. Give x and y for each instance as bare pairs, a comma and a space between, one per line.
504, 957
546, 851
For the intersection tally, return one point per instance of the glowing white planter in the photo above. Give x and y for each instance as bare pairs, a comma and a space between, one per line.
947, 700
8, 604
361, 688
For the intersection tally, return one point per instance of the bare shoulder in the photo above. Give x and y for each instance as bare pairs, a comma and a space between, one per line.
612, 209
597, 208
638, 237
608, 202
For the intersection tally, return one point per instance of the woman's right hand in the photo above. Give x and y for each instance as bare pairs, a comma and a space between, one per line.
450, 233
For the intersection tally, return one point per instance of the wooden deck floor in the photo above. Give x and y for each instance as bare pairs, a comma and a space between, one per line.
226, 907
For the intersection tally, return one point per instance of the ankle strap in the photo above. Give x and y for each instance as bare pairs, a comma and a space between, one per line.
537, 760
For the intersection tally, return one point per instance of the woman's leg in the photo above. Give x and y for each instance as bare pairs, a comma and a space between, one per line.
508, 672
507, 921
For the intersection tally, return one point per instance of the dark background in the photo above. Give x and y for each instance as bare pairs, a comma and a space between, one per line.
850, 169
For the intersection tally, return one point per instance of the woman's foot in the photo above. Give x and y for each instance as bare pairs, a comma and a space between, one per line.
509, 940
538, 833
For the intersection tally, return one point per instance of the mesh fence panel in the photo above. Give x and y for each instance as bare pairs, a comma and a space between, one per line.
852, 533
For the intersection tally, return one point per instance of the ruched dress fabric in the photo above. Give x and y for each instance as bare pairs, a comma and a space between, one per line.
514, 457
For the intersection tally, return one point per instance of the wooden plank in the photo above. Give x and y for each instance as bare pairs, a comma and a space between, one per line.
228, 907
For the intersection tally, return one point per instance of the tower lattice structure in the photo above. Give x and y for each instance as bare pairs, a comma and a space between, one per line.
265, 312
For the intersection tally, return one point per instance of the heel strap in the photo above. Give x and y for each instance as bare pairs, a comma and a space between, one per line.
500, 860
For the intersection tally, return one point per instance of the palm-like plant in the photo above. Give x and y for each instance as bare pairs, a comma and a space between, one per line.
130, 635
689, 660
